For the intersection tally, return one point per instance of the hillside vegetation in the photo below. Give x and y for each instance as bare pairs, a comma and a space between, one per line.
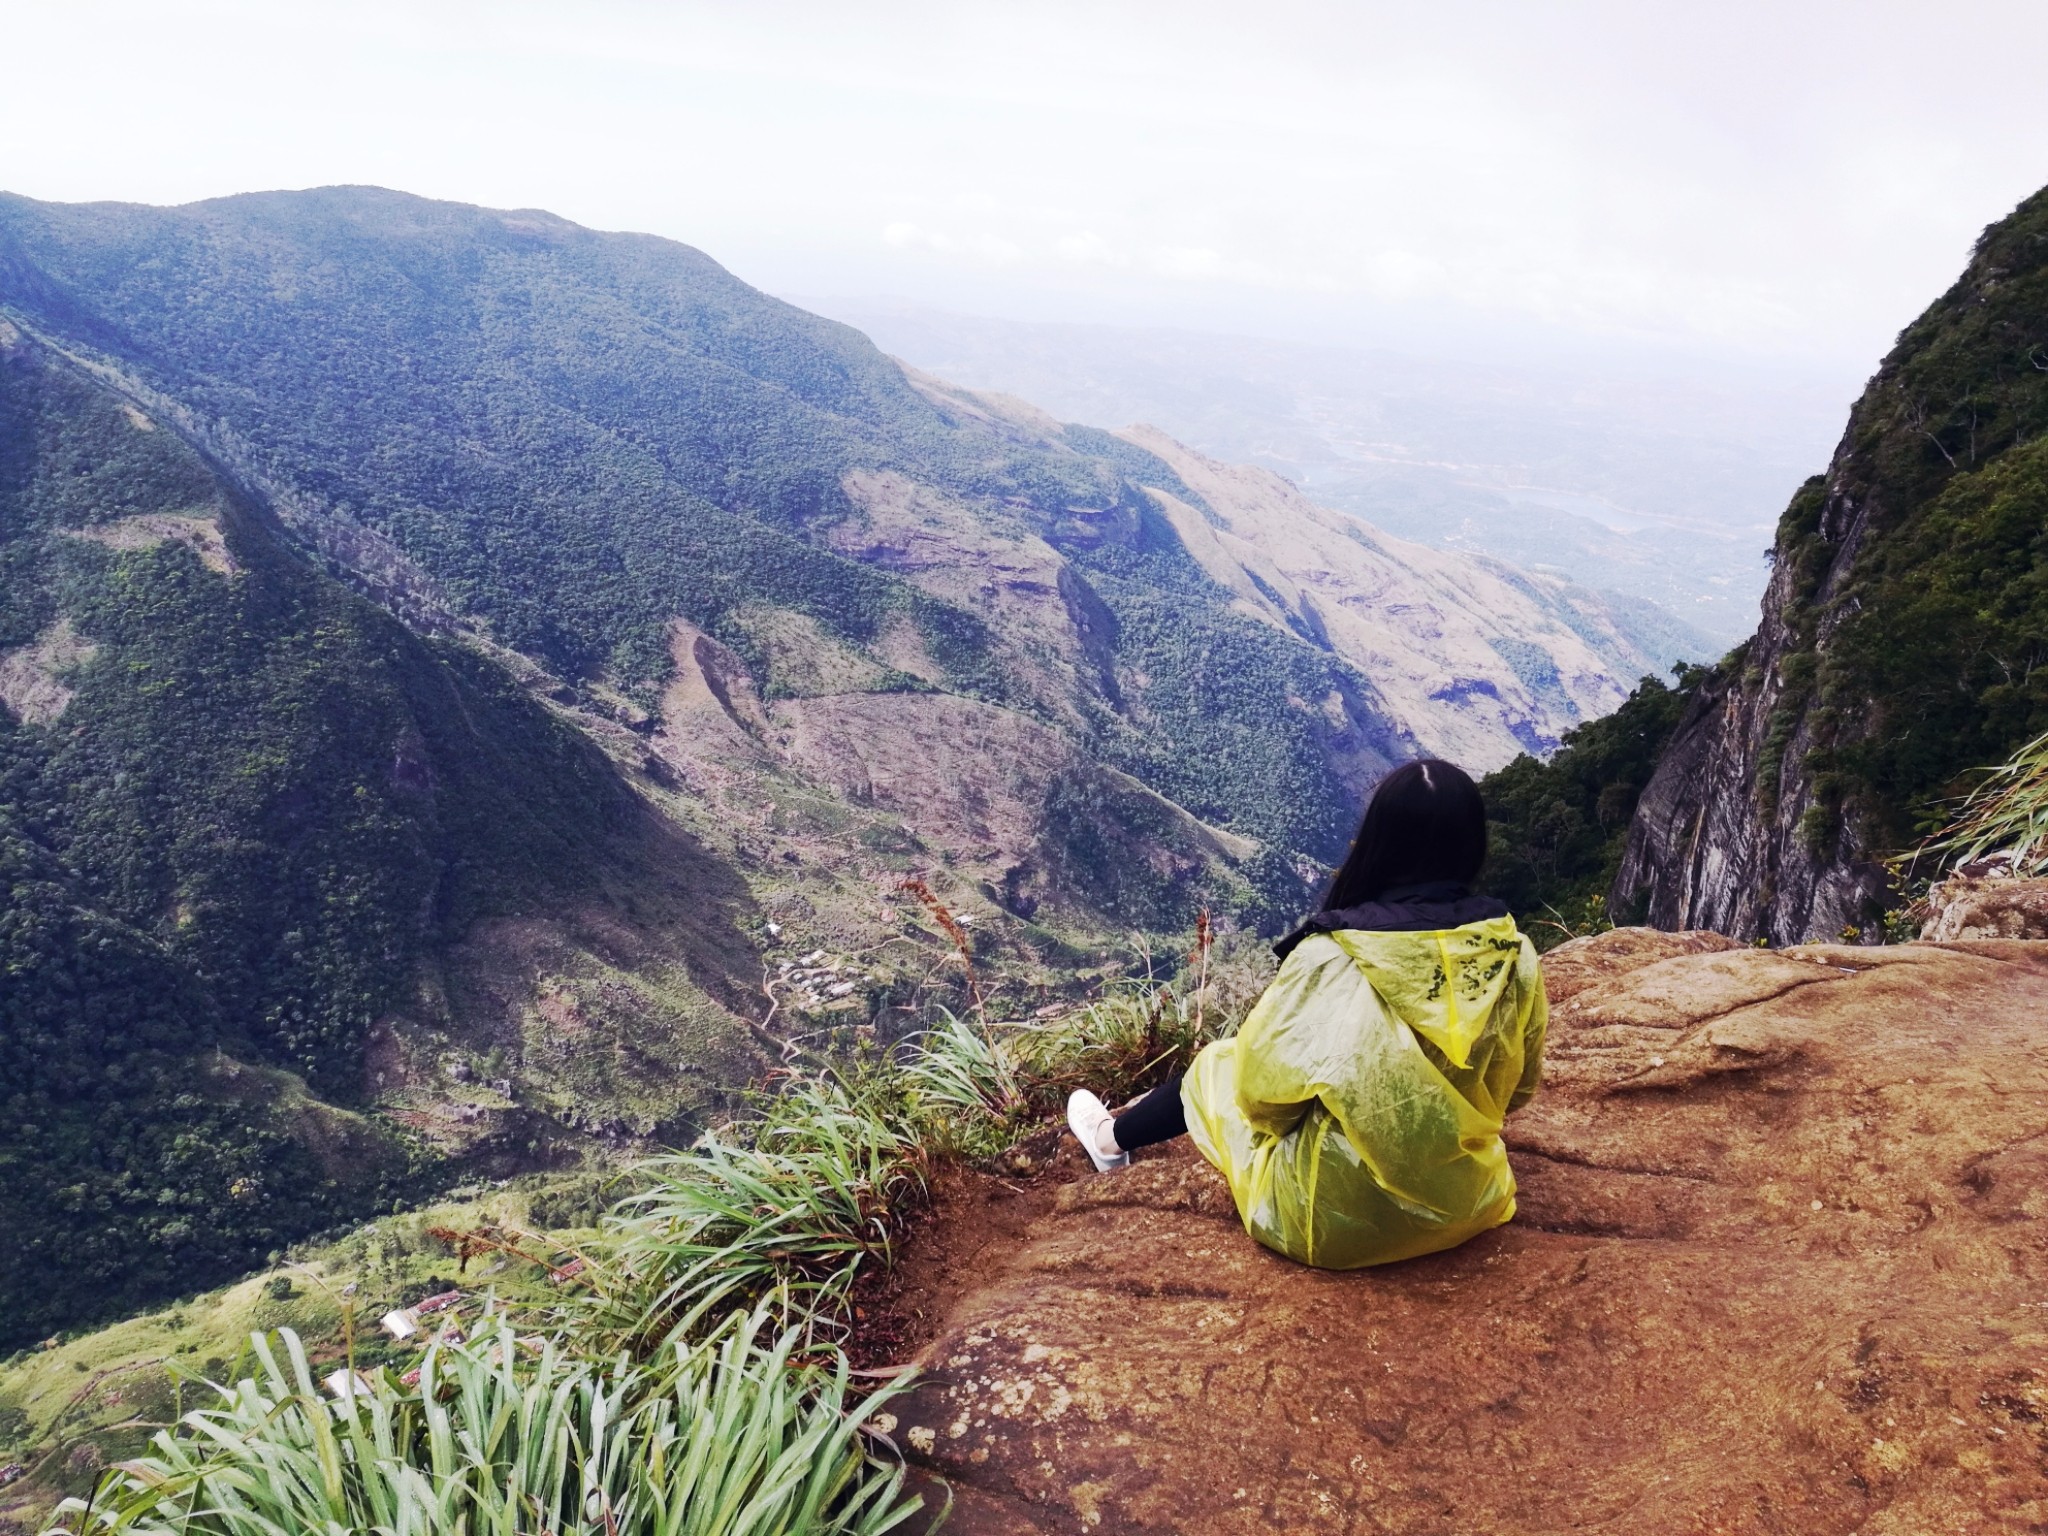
575, 437
1927, 655
239, 806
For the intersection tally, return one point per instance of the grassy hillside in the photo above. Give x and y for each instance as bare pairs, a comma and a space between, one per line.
717, 1310
69, 1411
239, 806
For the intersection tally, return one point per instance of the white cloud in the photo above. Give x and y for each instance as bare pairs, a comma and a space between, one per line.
979, 246
1088, 247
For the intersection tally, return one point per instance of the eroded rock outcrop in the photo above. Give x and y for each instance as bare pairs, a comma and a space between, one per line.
1779, 1267
1967, 907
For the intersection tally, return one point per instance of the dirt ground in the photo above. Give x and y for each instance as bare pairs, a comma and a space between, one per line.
1779, 1267
974, 1224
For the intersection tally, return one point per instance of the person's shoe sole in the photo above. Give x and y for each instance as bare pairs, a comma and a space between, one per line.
1081, 1102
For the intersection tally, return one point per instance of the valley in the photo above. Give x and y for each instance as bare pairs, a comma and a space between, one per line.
464, 655
1648, 477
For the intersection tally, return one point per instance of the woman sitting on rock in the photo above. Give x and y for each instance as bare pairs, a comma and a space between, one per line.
1357, 1113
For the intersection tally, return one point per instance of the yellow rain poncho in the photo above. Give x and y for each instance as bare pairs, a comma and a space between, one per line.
1357, 1113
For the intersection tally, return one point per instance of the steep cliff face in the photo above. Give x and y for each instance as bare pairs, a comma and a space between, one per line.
1904, 635
1714, 844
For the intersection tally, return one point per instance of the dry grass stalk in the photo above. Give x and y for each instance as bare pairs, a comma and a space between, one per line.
475, 1242
1205, 936
943, 916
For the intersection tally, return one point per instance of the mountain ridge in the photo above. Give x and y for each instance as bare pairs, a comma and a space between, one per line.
241, 809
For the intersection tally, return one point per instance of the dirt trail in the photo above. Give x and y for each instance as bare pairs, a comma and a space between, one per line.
1779, 1267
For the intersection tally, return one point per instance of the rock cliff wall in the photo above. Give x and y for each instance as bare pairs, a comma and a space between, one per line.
1903, 640
1716, 841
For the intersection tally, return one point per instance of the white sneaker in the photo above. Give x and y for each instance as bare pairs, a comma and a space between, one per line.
1086, 1116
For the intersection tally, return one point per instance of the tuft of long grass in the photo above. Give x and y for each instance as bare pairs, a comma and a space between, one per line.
730, 1435
783, 1218
962, 1089
693, 1383
2007, 813
1131, 1037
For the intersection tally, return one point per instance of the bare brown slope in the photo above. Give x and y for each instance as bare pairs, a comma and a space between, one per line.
1779, 1267
1430, 628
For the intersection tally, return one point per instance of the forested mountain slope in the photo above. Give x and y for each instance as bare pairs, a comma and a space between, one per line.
241, 808
572, 440
1904, 639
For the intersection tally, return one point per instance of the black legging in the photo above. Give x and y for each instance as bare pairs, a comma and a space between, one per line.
1155, 1118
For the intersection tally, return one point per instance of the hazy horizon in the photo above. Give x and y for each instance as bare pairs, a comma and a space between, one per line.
1660, 482
1539, 281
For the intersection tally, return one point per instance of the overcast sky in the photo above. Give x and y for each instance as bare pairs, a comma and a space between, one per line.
1789, 181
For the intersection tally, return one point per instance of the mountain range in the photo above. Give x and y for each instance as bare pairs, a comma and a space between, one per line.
463, 672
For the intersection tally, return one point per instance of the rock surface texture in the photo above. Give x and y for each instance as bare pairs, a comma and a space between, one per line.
1962, 907
1779, 1266
1707, 848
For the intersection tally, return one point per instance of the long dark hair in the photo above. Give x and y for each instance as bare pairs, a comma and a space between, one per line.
1425, 825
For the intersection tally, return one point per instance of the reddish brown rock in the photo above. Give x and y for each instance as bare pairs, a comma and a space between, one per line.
1965, 908
1779, 1268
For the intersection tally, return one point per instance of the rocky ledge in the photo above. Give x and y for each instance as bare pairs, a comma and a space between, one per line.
1987, 907
1779, 1267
